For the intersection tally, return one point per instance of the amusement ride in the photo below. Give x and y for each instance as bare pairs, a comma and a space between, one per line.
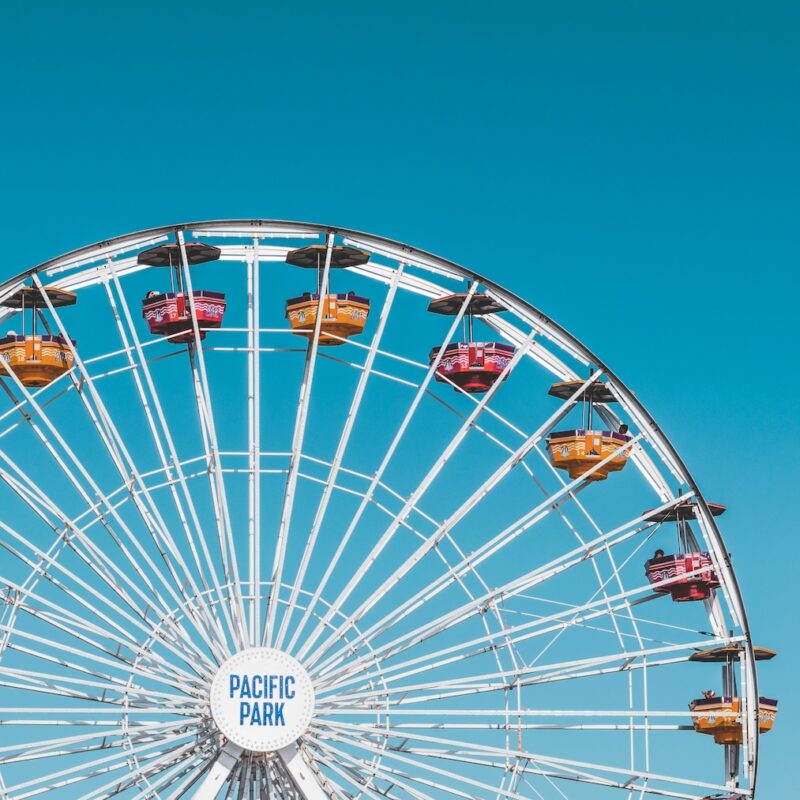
411, 540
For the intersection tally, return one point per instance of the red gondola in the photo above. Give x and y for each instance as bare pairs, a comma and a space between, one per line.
170, 313
471, 366
687, 575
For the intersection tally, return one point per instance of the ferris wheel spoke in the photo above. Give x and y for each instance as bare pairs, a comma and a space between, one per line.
298, 437
514, 727
167, 446
52, 684
427, 666
454, 690
45, 569
338, 791
335, 606
78, 592
526, 468
46, 748
333, 473
81, 469
538, 576
478, 646
65, 777
579, 771
254, 436
572, 622
77, 625
409, 781
494, 544
104, 501
649, 622
89, 711
411, 529
152, 701
524, 676
111, 658
525, 632
446, 621
164, 766
414, 776
352, 770
501, 722
191, 773
171, 777
216, 481
607, 552
629, 616
602, 583
66, 752
410, 504
151, 665
121, 457
226, 762
355, 770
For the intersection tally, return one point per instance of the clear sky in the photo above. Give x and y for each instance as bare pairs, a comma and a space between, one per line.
630, 168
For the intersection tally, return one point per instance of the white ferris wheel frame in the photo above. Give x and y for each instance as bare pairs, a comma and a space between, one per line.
416, 271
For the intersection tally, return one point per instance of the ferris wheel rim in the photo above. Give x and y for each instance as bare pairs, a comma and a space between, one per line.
465, 272
654, 431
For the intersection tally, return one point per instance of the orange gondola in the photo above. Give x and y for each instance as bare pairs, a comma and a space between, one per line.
36, 359
169, 313
579, 450
343, 315
720, 715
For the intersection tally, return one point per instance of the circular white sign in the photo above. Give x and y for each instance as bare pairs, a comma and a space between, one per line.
262, 699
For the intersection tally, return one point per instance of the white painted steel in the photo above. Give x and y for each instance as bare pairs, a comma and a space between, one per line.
433, 640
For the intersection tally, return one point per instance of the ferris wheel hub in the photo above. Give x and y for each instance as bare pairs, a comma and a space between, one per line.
262, 699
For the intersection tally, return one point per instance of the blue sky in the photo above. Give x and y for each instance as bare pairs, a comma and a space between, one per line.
629, 168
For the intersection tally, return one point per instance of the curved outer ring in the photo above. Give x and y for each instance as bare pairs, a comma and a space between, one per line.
654, 431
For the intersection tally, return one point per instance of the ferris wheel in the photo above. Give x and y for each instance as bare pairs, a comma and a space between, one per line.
293, 511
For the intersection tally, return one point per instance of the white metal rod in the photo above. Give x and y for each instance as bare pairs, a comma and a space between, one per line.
298, 437
337, 603
336, 464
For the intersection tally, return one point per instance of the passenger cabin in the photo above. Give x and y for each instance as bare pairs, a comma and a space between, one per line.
471, 366
720, 715
343, 315
580, 450
169, 313
37, 358
687, 575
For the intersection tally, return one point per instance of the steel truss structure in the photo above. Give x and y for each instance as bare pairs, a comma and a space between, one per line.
476, 624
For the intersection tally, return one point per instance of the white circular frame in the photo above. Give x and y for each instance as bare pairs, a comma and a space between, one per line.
179, 750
